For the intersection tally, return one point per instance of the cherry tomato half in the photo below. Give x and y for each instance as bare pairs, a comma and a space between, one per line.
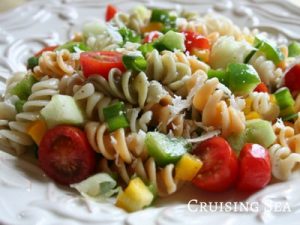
220, 165
110, 12
254, 168
100, 63
65, 155
48, 48
261, 87
292, 78
194, 41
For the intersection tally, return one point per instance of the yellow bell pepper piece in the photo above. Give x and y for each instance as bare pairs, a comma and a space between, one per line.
153, 26
37, 130
187, 167
135, 197
248, 106
252, 115
273, 99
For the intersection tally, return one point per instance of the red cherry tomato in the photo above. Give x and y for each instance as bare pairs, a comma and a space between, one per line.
292, 78
254, 168
261, 88
48, 48
194, 41
150, 37
220, 165
100, 63
110, 12
66, 156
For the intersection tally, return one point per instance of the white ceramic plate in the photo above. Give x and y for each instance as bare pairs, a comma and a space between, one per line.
28, 197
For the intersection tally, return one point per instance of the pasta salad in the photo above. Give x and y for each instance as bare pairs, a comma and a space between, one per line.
147, 101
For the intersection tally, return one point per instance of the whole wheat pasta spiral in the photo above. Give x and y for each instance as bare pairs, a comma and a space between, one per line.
56, 64
215, 111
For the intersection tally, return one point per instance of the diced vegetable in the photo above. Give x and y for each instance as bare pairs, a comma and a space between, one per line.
23, 88
257, 131
260, 132
32, 62
294, 49
261, 88
115, 116
164, 149
65, 155
284, 98
252, 115
146, 48
292, 78
187, 167
152, 27
134, 62
129, 35
227, 50
194, 42
135, 197
19, 105
269, 49
97, 187
110, 12
74, 46
290, 117
220, 74
48, 48
62, 109
164, 17
242, 78
170, 41
100, 63
37, 130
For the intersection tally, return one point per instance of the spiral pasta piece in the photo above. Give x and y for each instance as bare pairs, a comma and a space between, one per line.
56, 64
173, 69
215, 111
134, 89
261, 103
92, 101
115, 145
68, 83
15, 134
163, 179
266, 69
283, 161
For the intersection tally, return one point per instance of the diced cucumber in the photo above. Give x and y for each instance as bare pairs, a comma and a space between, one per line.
62, 109
171, 41
257, 131
242, 78
294, 49
166, 150
23, 88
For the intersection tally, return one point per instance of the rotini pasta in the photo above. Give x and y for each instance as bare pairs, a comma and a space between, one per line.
173, 69
215, 111
56, 64
266, 69
162, 178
